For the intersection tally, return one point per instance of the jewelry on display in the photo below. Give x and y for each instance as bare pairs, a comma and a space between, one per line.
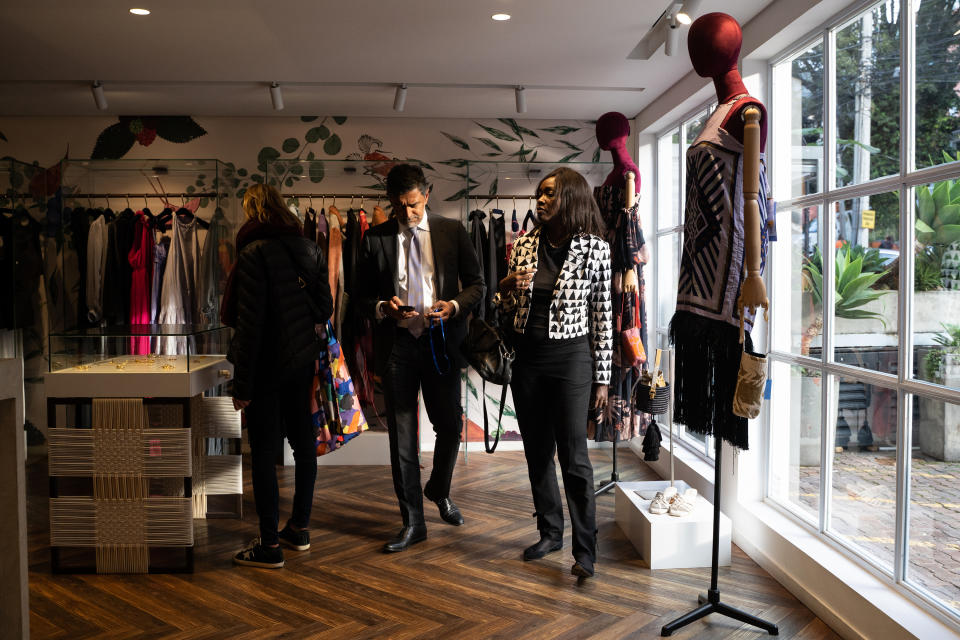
167, 366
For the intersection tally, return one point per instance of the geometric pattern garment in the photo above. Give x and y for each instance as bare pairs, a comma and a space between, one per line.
620, 421
711, 266
580, 304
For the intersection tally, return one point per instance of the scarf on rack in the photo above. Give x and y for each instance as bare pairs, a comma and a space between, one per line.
251, 231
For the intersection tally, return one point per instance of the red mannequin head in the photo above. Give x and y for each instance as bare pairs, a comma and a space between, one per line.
613, 128
714, 44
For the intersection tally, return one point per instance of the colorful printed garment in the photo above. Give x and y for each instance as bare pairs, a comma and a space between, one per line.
620, 421
337, 416
705, 327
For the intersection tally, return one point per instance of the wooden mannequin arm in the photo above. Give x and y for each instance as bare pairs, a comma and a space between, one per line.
753, 292
630, 275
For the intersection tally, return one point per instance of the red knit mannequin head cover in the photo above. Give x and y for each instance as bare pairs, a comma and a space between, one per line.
612, 130
714, 44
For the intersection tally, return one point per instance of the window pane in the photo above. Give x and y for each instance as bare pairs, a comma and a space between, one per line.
797, 134
668, 180
937, 97
868, 97
867, 281
864, 488
936, 282
795, 452
693, 127
668, 252
797, 281
934, 561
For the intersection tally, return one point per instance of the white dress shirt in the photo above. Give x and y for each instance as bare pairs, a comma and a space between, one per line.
428, 282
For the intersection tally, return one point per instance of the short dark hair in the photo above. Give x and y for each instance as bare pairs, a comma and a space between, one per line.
405, 177
575, 204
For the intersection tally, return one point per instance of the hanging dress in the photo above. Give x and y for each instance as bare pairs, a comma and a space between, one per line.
705, 327
627, 251
178, 299
140, 257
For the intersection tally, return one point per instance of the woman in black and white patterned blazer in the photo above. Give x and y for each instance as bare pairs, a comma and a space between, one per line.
558, 289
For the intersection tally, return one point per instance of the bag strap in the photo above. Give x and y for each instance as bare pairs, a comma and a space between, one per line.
486, 424
304, 284
636, 309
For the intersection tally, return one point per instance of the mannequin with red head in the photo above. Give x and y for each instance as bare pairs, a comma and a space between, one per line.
714, 45
613, 129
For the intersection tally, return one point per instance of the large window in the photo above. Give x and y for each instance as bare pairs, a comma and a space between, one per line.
864, 426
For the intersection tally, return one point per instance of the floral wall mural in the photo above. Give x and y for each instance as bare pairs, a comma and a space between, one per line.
470, 164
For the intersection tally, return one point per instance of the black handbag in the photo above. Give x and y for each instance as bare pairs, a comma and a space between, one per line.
486, 350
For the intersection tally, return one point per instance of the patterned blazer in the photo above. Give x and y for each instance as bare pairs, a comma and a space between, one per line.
581, 301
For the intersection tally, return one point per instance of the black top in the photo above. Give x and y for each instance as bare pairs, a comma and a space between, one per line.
549, 262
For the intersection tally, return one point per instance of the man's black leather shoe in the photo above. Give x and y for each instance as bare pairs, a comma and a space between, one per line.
542, 548
408, 535
449, 512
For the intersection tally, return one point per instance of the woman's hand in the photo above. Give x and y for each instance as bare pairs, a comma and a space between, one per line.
517, 281
598, 397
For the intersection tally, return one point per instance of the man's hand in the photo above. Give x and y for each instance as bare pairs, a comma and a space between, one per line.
240, 404
442, 310
391, 308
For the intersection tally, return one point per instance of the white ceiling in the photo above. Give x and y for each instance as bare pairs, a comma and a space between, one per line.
217, 57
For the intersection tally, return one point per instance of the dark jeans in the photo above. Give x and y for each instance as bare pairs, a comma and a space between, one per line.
551, 392
270, 417
410, 369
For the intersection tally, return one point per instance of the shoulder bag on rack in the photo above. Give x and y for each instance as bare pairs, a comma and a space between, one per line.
751, 379
487, 351
631, 346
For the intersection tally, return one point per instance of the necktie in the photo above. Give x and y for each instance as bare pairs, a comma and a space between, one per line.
414, 282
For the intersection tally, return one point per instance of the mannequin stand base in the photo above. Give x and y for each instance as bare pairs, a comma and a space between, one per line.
711, 604
614, 479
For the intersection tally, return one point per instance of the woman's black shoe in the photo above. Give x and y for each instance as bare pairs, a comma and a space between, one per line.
542, 548
582, 569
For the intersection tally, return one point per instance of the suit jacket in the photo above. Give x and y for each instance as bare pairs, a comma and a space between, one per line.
456, 270
581, 302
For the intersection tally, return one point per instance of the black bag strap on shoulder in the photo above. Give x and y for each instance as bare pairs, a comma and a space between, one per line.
305, 285
486, 423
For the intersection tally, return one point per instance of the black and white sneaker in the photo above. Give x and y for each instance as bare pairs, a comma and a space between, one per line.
296, 540
257, 555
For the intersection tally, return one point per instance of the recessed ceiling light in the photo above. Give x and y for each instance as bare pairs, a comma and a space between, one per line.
501, 16
140, 12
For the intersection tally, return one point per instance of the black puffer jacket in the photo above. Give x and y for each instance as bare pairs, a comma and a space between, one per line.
274, 329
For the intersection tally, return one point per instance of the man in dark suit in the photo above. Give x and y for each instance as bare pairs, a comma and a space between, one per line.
415, 271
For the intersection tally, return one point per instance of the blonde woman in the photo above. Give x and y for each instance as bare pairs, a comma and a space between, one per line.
276, 295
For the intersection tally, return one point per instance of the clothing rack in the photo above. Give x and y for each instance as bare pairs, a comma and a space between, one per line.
336, 195
196, 194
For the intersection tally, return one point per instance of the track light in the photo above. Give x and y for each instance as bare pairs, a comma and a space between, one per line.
276, 96
684, 18
521, 97
98, 96
400, 97
673, 35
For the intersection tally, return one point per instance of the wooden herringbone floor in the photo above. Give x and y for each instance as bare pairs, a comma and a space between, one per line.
466, 582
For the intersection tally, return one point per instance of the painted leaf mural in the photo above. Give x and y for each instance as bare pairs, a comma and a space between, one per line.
115, 141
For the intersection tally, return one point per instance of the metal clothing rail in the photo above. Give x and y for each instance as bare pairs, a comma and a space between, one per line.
342, 196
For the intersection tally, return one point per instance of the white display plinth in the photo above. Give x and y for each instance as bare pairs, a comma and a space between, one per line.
131, 377
665, 541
